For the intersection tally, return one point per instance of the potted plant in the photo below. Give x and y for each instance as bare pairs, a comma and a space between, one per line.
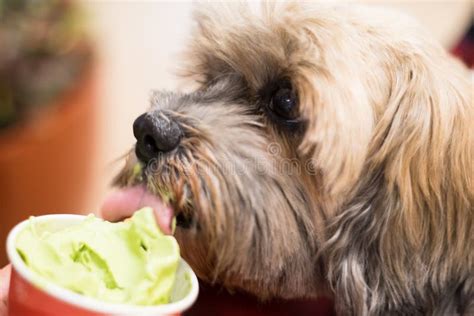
47, 110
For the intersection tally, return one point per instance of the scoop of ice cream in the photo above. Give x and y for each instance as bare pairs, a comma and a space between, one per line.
129, 262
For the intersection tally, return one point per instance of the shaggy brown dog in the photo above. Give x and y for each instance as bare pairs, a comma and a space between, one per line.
324, 150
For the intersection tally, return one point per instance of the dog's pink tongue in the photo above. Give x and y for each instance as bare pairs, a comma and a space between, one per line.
123, 203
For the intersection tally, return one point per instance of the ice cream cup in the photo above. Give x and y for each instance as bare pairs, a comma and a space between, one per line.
30, 295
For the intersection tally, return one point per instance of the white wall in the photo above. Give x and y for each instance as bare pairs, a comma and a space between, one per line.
137, 44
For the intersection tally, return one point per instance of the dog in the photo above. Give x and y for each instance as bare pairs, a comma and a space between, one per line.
323, 150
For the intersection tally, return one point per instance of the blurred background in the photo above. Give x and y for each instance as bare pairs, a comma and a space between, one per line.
75, 74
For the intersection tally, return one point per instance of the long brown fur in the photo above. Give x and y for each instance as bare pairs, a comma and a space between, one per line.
371, 201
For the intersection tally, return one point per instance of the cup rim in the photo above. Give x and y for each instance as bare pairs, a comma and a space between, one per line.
89, 303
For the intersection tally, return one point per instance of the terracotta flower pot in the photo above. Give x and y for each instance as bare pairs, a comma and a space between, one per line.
46, 162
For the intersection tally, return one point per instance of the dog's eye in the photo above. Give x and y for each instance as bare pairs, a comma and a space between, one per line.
284, 103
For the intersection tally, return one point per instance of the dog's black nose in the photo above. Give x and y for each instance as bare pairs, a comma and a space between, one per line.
155, 132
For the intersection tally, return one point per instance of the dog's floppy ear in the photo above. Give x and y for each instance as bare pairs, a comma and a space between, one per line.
405, 233
425, 143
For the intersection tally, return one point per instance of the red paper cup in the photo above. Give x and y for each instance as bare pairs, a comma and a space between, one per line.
31, 295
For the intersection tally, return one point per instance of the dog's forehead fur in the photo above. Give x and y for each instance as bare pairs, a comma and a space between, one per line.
383, 218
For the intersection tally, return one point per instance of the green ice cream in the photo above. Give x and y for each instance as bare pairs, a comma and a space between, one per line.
130, 262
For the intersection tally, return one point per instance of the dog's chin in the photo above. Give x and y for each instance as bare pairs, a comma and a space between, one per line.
122, 203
